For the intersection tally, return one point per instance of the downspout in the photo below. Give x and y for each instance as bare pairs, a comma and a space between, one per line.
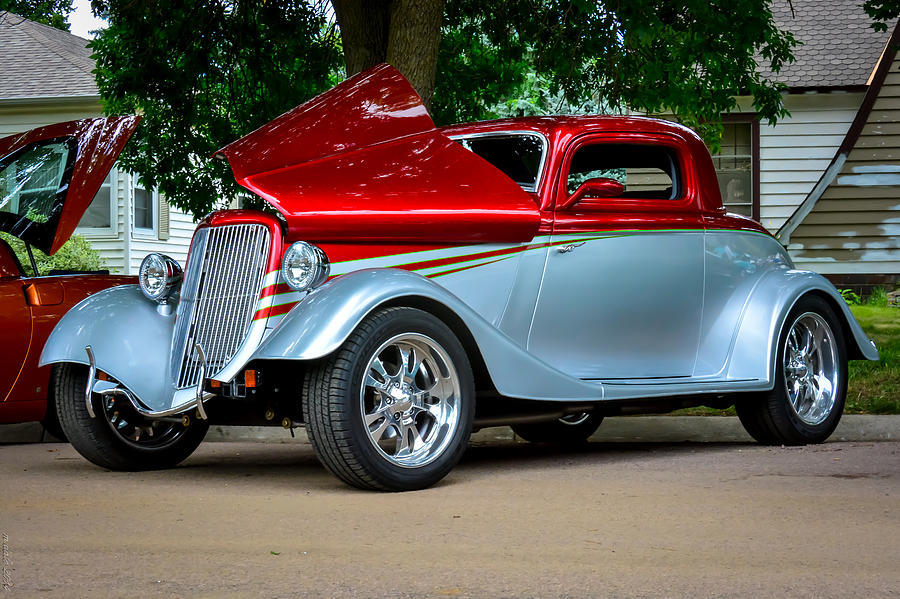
129, 200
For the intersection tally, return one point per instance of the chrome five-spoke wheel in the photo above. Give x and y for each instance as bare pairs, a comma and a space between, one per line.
410, 399
811, 368
392, 409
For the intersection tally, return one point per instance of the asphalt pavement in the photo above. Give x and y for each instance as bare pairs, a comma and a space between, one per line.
610, 519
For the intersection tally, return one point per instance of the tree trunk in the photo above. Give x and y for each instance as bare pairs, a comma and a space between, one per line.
404, 33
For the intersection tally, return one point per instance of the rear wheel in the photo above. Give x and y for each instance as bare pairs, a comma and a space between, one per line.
119, 438
568, 430
810, 380
392, 409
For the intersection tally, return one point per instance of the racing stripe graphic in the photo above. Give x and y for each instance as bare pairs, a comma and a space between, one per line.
277, 298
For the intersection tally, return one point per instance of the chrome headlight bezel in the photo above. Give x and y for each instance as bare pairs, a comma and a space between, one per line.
159, 277
312, 274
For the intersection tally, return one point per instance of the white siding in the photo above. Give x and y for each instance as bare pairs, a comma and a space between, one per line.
111, 245
794, 153
21, 118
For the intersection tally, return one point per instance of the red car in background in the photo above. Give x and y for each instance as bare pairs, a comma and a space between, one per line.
48, 178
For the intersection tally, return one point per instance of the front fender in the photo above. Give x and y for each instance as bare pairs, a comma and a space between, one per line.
766, 314
131, 341
322, 321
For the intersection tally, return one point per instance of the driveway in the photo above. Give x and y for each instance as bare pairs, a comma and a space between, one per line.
512, 520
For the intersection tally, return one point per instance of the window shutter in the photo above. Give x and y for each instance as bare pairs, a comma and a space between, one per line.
163, 218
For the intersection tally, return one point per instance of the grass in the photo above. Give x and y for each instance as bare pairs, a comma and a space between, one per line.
874, 387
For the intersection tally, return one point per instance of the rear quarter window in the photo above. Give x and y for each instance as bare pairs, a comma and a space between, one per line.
647, 171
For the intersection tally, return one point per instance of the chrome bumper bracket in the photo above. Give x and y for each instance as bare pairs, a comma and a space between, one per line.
202, 359
92, 375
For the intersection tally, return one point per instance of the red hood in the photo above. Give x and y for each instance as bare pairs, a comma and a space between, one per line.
365, 161
91, 147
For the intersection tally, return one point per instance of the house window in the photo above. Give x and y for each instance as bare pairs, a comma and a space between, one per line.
144, 209
98, 218
737, 165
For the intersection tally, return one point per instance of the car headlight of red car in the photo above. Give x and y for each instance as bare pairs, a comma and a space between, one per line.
304, 266
159, 276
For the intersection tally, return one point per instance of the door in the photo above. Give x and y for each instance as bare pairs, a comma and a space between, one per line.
15, 321
622, 292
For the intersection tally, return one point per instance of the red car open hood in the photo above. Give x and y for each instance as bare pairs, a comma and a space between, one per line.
365, 161
49, 175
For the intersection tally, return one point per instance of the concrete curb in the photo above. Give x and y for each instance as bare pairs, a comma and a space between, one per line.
626, 429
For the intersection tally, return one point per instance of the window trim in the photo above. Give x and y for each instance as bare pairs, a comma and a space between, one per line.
686, 200
545, 147
752, 119
112, 231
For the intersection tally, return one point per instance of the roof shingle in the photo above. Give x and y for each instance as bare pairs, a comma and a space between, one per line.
40, 61
839, 49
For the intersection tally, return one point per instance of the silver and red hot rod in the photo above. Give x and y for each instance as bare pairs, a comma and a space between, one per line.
413, 283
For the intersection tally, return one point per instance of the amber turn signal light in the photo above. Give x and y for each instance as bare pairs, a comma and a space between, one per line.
214, 383
250, 379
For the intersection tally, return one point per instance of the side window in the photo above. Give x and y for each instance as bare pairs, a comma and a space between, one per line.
519, 156
646, 171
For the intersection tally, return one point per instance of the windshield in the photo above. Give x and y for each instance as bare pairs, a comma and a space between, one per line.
33, 183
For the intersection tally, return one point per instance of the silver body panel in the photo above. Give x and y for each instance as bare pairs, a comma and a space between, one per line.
726, 328
623, 306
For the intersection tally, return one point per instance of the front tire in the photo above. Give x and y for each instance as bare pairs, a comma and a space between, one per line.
119, 438
392, 409
810, 380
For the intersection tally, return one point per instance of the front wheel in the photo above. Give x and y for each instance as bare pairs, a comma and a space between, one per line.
810, 380
119, 438
392, 409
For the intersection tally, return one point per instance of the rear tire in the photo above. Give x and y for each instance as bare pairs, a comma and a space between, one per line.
568, 430
810, 389
119, 438
392, 409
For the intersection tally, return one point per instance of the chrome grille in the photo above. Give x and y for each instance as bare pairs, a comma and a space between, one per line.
222, 282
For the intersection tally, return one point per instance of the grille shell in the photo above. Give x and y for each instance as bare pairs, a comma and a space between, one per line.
222, 284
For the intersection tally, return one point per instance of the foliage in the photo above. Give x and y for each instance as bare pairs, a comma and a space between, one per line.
882, 12
874, 387
852, 298
203, 74
878, 297
49, 12
688, 58
75, 254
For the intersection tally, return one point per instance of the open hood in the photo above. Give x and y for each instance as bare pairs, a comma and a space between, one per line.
364, 161
50, 175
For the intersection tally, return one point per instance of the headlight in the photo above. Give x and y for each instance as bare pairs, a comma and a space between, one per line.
159, 276
304, 266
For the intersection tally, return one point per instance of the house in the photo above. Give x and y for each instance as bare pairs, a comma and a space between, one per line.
848, 227
46, 77
784, 175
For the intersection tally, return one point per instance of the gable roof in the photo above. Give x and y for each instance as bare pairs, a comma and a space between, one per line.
40, 61
839, 45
